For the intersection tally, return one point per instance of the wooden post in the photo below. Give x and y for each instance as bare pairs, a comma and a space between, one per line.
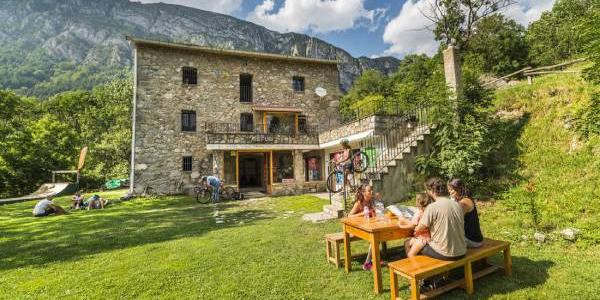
394, 284
264, 122
237, 169
296, 124
270, 171
468, 278
507, 261
529, 79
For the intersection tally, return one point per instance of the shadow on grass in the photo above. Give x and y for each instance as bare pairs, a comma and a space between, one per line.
29, 241
502, 162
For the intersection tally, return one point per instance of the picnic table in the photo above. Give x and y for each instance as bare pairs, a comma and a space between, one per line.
375, 231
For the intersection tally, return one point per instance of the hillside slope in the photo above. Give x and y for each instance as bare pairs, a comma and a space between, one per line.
552, 173
51, 45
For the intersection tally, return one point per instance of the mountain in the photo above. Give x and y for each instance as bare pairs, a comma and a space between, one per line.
47, 46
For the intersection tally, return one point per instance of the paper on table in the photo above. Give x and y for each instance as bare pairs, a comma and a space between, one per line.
402, 211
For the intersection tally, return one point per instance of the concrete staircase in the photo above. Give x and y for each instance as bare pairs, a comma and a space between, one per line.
385, 177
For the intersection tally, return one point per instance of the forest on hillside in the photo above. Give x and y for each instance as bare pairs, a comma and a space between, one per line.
41, 135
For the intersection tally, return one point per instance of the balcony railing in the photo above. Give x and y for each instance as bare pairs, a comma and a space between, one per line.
236, 133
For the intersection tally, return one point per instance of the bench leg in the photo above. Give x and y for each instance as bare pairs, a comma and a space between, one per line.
394, 284
337, 255
347, 251
328, 250
415, 289
507, 261
468, 278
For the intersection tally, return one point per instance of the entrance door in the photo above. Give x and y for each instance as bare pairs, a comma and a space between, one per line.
251, 172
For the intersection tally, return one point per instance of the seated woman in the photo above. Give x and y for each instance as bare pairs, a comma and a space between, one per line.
415, 244
458, 193
96, 202
77, 201
362, 200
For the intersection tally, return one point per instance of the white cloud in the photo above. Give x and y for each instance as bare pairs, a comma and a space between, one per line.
318, 16
219, 6
406, 34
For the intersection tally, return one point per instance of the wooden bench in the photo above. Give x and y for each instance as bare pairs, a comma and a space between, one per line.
422, 267
332, 247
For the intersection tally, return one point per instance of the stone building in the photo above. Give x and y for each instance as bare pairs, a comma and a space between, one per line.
250, 118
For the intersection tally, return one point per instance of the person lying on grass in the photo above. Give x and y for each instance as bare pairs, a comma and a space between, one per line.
96, 202
458, 193
363, 204
415, 244
46, 207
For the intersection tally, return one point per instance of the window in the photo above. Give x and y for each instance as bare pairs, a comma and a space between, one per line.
187, 163
283, 165
298, 83
188, 120
246, 122
190, 75
245, 87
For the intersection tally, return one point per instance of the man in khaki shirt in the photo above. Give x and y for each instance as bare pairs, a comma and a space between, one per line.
445, 222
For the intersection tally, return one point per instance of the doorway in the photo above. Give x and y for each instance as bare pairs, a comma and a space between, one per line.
252, 172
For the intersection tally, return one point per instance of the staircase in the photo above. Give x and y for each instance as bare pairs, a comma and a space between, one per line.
393, 149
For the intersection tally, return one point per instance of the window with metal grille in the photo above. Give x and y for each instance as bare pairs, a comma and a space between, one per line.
187, 163
245, 87
190, 75
246, 122
298, 83
188, 120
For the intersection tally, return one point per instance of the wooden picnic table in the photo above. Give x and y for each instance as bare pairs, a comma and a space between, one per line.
374, 231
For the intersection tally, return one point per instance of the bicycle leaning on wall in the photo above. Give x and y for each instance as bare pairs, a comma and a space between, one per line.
204, 194
344, 172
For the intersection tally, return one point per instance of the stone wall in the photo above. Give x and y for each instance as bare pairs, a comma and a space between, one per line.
160, 97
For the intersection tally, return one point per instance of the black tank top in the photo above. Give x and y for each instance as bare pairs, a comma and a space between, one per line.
472, 229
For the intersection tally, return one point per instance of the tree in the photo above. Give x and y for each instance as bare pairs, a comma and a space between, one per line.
371, 82
454, 20
497, 46
556, 36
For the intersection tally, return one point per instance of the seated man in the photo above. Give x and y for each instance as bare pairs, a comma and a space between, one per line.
46, 207
215, 183
444, 220
96, 202
77, 201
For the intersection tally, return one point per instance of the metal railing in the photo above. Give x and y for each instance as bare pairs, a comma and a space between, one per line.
236, 133
246, 93
400, 135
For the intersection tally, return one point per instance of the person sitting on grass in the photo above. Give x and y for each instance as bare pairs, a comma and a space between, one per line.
444, 220
458, 193
215, 183
77, 201
362, 200
46, 207
415, 244
96, 202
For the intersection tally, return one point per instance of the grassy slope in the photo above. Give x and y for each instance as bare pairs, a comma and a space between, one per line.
564, 170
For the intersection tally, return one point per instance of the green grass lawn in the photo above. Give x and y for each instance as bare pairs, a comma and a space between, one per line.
171, 247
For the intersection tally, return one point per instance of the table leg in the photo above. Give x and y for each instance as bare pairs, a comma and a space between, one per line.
347, 254
384, 249
376, 259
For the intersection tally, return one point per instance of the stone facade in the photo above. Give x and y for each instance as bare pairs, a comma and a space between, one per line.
159, 144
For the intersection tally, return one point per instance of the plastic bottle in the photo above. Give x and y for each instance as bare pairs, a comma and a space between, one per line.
366, 212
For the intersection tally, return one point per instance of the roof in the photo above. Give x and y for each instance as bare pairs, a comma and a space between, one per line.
275, 108
138, 41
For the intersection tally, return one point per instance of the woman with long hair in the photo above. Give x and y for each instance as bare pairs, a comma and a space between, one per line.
459, 193
362, 199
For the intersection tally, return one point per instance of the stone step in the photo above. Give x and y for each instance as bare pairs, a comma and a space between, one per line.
333, 211
318, 217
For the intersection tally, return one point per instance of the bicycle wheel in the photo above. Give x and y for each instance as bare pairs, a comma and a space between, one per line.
333, 185
228, 193
203, 196
360, 161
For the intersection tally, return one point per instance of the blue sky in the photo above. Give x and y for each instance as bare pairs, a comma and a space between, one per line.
362, 27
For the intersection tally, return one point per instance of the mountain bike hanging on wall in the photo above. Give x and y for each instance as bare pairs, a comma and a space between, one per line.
342, 174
